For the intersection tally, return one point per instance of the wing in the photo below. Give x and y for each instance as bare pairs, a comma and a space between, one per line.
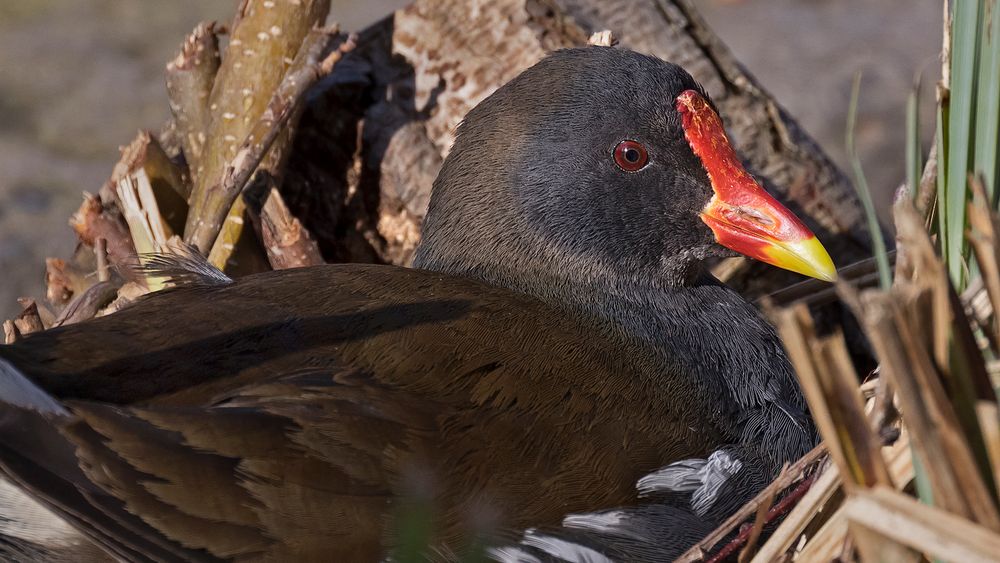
457, 341
302, 468
298, 468
235, 420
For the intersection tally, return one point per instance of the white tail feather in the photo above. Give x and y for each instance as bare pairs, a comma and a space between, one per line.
23, 518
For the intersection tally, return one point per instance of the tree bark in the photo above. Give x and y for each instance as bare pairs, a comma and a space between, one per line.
415, 74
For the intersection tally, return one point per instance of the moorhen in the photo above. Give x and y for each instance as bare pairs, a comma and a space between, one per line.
558, 338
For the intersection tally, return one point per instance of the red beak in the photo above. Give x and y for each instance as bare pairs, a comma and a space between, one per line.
743, 216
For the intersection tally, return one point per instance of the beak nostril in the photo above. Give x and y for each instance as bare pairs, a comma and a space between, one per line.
755, 216
742, 214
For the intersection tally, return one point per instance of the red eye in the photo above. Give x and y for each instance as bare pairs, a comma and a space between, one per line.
631, 156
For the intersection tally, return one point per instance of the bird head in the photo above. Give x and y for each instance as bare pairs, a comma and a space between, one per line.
602, 161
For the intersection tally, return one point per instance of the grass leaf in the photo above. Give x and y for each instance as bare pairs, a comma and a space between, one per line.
987, 122
864, 194
964, 63
914, 160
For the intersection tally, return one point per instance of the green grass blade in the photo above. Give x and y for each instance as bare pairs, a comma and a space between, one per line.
920, 479
964, 55
988, 99
914, 161
941, 140
864, 194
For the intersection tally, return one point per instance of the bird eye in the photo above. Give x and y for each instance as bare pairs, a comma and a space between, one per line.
631, 156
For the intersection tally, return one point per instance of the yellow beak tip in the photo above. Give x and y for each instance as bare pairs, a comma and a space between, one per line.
807, 257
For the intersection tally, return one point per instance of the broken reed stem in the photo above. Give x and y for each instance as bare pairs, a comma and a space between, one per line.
984, 229
804, 513
830, 387
762, 518
766, 513
927, 412
784, 479
940, 534
937, 394
281, 107
989, 421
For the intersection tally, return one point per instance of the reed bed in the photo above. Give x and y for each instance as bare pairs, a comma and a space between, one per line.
909, 466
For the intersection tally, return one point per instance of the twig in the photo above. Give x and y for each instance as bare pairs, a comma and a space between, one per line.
811, 515
93, 221
266, 37
604, 38
758, 527
101, 253
29, 321
190, 77
287, 242
10, 334
860, 274
281, 107
44, 313
87, 304
783, 480
63, 280
777, 511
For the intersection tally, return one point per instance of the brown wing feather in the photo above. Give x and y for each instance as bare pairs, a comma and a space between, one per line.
293, 406
33, 454
278, 471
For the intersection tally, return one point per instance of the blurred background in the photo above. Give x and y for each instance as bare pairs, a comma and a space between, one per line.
79, 77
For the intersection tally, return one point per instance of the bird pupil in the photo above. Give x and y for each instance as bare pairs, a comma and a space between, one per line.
631, 155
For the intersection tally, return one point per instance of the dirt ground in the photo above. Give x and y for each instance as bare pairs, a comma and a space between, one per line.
79, 77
